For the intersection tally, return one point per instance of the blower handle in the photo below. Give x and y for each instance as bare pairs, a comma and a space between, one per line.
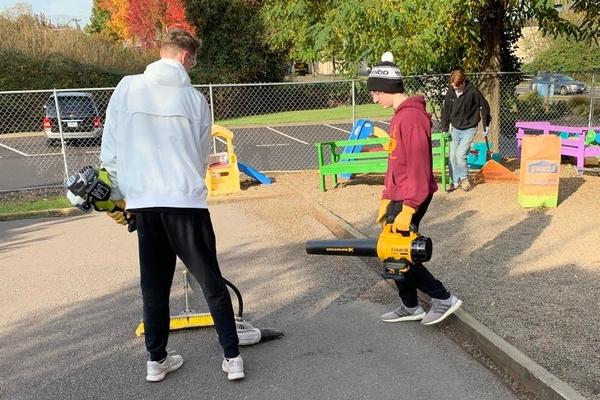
129, 217
393, 209
412, 228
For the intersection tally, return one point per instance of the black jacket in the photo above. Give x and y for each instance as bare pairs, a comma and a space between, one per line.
465, 111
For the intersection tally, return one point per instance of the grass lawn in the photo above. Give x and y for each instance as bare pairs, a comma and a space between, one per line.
7, 207
370, 111
325, 115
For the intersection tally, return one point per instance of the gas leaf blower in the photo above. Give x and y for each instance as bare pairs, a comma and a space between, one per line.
90, 188
398, 250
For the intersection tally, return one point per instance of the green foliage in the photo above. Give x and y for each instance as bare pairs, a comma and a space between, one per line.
566, 55
98, 21
19, 71
42, 56
351, 31
425, 35
234, 48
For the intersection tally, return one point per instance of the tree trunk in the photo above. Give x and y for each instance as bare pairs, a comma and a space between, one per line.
492, 26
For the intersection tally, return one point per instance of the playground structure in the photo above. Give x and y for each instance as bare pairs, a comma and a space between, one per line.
223, 174
365, 151
576, 141
362, 129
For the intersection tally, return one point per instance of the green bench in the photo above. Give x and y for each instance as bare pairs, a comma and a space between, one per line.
373, 161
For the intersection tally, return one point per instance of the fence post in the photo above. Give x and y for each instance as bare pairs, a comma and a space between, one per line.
212, 113
62, 138
591, 100
353, 103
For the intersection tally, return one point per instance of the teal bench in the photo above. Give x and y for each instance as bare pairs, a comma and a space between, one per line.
373, 161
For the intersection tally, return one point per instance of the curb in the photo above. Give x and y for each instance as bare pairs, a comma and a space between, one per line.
72, 211
532, 376
54, 212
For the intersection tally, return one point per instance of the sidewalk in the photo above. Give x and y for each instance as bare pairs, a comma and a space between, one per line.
72, 303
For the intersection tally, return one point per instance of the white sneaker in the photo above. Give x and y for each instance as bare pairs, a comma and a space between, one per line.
156, 371
234, 368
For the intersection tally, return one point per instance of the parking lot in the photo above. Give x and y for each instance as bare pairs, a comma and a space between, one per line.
28, 161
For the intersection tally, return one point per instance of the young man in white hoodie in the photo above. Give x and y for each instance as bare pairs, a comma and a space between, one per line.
155, 147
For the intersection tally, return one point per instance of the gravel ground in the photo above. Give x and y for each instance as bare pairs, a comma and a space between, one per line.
530, 275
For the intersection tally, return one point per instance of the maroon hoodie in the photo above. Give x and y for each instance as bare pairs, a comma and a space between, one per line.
409, 175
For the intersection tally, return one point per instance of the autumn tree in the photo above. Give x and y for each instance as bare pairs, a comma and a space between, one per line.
142, 22
117, 23
175, 16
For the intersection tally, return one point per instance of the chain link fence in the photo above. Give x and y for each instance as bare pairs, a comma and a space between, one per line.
46, 135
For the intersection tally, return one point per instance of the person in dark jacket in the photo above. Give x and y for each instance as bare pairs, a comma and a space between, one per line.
409, 186
464, 108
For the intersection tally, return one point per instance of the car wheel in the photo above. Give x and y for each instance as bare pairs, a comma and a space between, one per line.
53, 142
563, 90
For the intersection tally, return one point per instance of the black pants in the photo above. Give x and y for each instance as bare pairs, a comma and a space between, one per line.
162, 236
417, 277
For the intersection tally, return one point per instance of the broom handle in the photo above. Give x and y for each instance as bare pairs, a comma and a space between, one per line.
487, 145
231, 285
185, 290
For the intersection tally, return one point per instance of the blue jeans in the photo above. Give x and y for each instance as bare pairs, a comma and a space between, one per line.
459, 147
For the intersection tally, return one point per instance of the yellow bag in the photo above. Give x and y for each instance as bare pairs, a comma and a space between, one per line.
540, 171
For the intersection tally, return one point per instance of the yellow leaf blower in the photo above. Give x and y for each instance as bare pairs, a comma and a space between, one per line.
398, 251
90, 188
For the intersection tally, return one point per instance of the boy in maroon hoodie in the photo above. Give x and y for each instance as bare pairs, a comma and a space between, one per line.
409, 187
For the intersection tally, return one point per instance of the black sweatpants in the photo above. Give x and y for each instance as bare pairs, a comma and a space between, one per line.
417, 277
162, 236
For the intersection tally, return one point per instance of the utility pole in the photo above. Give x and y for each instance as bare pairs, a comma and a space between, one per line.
76, 22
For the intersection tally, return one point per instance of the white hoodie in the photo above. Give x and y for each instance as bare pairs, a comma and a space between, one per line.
156, 139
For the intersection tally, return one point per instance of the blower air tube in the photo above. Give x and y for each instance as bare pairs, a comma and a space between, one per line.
349, 247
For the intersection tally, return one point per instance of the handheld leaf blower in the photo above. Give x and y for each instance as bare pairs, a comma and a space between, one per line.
397, 250
90, 188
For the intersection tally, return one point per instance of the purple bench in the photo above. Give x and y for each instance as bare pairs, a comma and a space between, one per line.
573, 146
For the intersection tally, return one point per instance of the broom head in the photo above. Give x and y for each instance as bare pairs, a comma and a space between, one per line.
183, 321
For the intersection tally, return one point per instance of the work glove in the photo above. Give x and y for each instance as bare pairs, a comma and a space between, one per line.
485, 131
119, 214
382, 213
403, 219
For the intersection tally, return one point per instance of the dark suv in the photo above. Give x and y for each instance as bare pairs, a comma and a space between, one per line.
79, 116
563, 84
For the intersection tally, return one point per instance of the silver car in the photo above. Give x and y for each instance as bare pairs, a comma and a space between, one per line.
563, 84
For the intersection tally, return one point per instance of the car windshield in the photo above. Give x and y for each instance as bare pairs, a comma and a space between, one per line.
71, 105
564, 77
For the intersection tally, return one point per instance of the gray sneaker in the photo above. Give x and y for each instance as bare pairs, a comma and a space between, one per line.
404, 313
440, 309
156, 371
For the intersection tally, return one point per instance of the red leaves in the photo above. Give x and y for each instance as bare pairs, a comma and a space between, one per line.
145, 21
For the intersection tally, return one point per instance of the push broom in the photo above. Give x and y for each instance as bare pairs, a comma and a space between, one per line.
187, 319
247, 333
